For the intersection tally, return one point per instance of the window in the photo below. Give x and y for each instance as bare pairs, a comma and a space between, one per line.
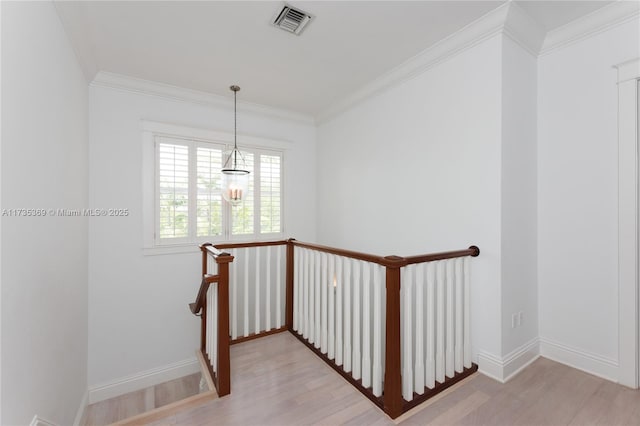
188, 198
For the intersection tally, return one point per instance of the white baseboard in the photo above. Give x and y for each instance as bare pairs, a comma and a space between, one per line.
505, 368
143, 380
582, 360
82, 409
38, 421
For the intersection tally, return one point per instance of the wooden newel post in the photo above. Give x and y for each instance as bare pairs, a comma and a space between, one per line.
289, 286
392, 397
224, 363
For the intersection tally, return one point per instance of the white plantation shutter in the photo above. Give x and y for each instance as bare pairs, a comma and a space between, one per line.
270, 193
189, 203
173, 189
242, 216
209, 194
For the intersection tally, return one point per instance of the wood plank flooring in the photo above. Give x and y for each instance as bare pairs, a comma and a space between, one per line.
276, 380
128, 405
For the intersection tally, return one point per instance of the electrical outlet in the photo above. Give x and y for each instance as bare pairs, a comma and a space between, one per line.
514, 320
519, 318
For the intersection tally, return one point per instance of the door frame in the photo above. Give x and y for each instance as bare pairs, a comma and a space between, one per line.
628, 220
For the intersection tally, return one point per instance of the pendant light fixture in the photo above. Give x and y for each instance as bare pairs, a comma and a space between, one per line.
235, 176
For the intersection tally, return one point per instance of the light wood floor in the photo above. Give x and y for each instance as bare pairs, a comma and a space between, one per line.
276, 380
128, 405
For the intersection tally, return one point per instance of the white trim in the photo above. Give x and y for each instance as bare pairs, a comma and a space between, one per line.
1, 68
628, 216
190, 248
143, 380
505, 368
628, 70
600, 20
84, 403
591, 363
490, 365
175, 93
209, 135
508, 19
518, 359
469, 36
523, 29
38, 421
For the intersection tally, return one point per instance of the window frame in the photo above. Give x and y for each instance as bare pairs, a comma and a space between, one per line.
194, 137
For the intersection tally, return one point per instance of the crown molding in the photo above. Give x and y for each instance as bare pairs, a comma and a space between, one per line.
508, 19
482, 29
175, 93
589, 25
628, 70
523, 29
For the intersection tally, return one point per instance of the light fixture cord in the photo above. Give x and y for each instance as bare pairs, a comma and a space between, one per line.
235, 129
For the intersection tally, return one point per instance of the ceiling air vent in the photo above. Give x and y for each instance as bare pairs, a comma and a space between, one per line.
292, 20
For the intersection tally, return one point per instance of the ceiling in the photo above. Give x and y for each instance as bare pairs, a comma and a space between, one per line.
209, 45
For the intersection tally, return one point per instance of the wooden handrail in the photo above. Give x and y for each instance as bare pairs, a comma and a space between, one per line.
252, 244
390, 261
340, 252
197, 306
222, 379
472, 251
213, 251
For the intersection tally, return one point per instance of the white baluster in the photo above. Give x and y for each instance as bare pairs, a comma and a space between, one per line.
317, 288
440, 332
366, 325
430, 373
346, 282
378, 329
467, 314
296, 288
305, 285
418, 385
234, 296
299, 294
355, 357
214, 328
459, 315
406, 289
268, 295
325, 327
332, 313
257, 326
312, 293
339, 289
207, 336
279, 284
448, 363
246, 292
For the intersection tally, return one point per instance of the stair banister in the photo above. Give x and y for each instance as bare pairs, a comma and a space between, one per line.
389, 391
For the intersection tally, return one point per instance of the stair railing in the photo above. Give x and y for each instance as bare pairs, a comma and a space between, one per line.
212, 305
397, 328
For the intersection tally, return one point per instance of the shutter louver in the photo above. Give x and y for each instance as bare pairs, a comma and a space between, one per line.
209, 198
242, 216
270, 194
173, 176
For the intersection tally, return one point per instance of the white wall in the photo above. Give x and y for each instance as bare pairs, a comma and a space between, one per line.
577, 198
44, 259
416, 169
519, 206
138, 314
